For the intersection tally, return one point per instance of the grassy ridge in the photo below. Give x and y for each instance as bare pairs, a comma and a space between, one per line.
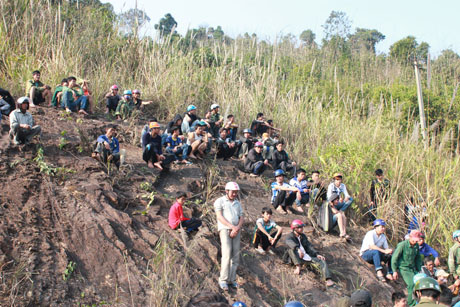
340, 112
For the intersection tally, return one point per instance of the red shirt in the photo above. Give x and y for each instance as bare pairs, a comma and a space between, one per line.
176, 215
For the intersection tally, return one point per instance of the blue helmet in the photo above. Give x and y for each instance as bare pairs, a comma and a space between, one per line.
379, 222
127, 92
418, 276
279, 172
247, 131
238, 304
191, 107
456, 234
294, 304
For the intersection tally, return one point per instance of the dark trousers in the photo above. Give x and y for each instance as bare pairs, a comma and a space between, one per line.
105, 154
285, 166
225, 152
284, 200
191, 225
258, 167
261, 239
314, 263
149, 154
376, 257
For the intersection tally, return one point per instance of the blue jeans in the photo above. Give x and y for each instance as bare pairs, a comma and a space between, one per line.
344, 205
376, 257
259, 167
79, 104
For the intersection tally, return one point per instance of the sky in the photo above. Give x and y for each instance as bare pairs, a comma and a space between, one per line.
435, 22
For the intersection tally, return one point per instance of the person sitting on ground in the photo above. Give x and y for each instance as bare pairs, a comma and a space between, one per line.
294, 304
231, 126
317, 187
361, 298
108, 147
407, 261
37, 91
73, 99
225, 146
454, 256
375, 249
380, 189
198, 141
280, 158
88, 93
441, 277
176, 215
399, 299
428, 251
254, 162
283, 194
22, 128
247, 143
176, 147
152, 148
176, 122
58, 91
339, 217
259, 126
6, 96
189, 119
208, 299
339, 188
138, 102
125, 106
272, 131
445, 299
146, 129
429, 269
216, 121
269, 146
301, 251
4, 108
427, 291
266, 233
301, 183
112, 99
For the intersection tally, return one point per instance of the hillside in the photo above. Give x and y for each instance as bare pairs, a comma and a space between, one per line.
72, 234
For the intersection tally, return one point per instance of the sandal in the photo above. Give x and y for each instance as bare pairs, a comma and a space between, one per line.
345, 238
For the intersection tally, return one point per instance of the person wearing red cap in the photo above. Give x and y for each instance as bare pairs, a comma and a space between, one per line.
254, 163
112, 99
301, 251
407, 261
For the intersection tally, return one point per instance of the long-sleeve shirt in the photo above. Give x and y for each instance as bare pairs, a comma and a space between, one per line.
154, 142
406, 257
292, 241
454, 259
427, 251
252, 158
332, 188
176, 215
379, 189
18, 118
301, 185
114, 145
278, 157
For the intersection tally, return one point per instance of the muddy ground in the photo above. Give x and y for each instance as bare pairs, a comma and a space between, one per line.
74, 233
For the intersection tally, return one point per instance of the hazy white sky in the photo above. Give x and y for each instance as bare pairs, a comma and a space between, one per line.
435, 22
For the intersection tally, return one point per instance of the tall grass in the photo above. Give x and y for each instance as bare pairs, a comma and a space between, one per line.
350, 113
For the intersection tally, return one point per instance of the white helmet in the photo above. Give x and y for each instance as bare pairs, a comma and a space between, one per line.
214, 106
232, 186
23, 99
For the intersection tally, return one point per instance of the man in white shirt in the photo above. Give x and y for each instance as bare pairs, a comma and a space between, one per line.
340, 189
229, 215
375, 249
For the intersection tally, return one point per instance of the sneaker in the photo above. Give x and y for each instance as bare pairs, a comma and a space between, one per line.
260, 250
234, 285
223, 286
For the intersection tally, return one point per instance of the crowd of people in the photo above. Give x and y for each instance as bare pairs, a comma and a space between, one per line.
190, 137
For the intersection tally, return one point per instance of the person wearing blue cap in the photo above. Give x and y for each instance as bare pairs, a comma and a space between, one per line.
190, 117
375, 249
125, 106
294, 304
238, 304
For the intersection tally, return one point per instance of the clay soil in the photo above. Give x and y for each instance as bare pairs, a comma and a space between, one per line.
75, 233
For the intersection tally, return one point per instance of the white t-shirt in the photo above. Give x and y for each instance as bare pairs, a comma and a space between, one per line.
332, 188
371, 238
231, 211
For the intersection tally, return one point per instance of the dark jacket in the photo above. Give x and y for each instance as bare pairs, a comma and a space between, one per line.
252, 158
278, 157
154, 142
174, 123
293, 243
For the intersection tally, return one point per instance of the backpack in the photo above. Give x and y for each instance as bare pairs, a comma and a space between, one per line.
325, 217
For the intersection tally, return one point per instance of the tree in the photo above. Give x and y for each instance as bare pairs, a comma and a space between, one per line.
404, 50
337, 24
308, 38
166, 25
132, 20
422, 51
366, 39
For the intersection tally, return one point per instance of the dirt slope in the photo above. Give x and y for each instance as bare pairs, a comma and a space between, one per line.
73, 234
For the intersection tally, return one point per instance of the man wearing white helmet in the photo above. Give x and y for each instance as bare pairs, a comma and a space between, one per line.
22, 128
229, 224
215, 120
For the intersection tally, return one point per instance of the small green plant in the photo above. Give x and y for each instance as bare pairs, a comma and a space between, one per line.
44, 167
146, 186
63, 143
69, 270
79, 121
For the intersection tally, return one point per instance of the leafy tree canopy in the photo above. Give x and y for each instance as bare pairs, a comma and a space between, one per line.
166, 25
